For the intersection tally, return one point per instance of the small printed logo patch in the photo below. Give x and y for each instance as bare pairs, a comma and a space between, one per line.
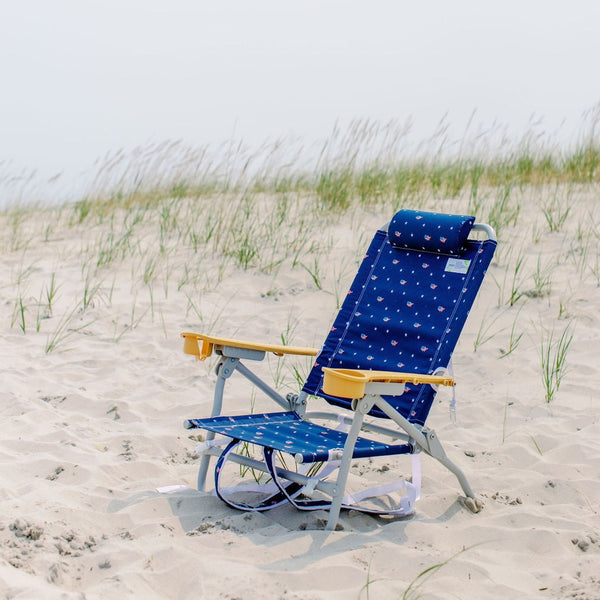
457, 265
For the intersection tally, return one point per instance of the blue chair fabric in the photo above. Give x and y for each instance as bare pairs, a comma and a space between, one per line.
431, 232
404, 312
287, 432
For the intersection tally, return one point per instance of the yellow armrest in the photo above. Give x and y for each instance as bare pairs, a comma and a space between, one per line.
191, 346
350, 383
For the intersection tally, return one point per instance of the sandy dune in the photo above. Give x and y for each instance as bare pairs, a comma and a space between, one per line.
93, 427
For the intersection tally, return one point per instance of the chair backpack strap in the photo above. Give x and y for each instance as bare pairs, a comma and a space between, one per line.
277, 495
350, 502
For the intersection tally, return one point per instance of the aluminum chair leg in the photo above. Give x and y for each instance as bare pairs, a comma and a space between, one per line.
340, 485
225, 368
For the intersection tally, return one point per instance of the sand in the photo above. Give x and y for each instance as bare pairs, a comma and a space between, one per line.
94, 426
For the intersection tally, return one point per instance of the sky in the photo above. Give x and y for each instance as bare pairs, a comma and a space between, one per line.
82, 78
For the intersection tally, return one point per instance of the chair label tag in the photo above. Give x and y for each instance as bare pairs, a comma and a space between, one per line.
457, 265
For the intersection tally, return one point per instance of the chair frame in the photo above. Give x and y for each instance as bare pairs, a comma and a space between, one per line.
364, 389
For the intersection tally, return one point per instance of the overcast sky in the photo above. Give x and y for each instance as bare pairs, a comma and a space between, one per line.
83, 77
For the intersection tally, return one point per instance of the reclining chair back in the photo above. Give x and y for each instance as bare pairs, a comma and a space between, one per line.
407, 305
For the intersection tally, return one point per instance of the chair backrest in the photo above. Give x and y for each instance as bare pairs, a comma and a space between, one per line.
407, 305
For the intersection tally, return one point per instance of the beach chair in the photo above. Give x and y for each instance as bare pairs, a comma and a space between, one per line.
386, 354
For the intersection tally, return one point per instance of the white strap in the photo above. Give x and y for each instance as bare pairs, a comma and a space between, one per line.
407, 503
453, 401
378, 490
203, 447
170, 489
342, 425
449, 369
265, 488
309, 488
415, 460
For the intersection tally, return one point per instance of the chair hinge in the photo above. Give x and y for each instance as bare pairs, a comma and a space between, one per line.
296, 402
225, 367
434, 446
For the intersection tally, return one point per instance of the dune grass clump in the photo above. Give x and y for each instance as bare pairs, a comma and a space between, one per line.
553, 354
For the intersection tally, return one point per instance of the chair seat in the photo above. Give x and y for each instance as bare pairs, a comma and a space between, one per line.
287, 432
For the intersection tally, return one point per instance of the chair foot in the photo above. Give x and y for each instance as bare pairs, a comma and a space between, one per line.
337, 526
475, 505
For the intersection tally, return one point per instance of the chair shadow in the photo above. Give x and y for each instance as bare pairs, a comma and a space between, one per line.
368, 531
199, 513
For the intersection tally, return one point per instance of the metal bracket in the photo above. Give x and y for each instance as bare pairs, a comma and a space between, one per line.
297, 402
363, 405
245, 353
225, 367
434, 446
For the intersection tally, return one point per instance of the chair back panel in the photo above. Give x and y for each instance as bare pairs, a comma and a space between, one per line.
404, 312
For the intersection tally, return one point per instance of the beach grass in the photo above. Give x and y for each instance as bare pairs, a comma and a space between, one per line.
553, 353
180, 221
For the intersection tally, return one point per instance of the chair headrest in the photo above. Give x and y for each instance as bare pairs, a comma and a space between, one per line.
430, 232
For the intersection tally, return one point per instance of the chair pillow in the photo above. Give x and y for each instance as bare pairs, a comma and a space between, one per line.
431, 232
